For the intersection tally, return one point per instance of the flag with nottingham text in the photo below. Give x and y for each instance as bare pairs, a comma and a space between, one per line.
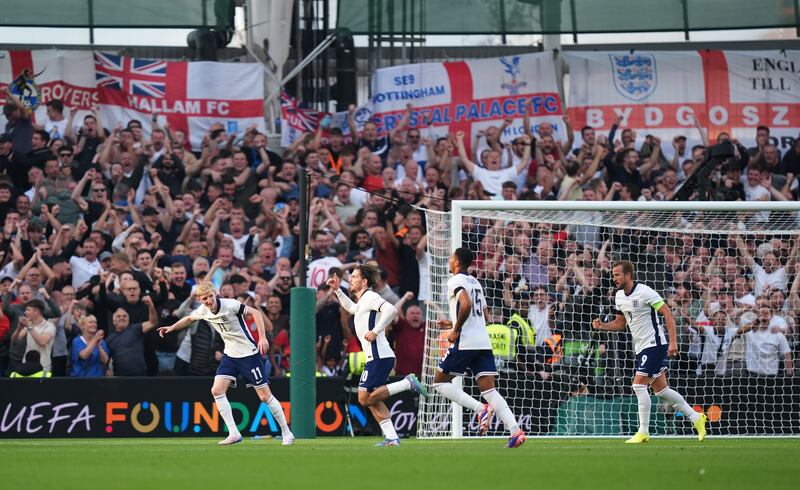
470, 95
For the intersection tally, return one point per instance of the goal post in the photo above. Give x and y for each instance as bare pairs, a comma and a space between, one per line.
727, 270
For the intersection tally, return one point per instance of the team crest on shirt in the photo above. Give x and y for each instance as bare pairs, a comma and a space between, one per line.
635, 74
636, 303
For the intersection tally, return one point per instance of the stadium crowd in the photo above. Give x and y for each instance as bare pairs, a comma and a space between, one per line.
105, 232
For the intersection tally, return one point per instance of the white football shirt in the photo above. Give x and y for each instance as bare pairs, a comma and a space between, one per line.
540, 321
493, 180
765, 351
639, 310
229, 322
240, 243
776, 279
366, 317
473, 332
318, 271
716, 346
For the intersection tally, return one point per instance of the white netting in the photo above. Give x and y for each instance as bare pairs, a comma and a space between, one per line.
730, 278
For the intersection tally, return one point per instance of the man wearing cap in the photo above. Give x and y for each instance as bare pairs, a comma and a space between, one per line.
105, 259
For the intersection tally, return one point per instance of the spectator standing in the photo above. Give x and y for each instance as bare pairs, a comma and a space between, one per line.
39, 333
18, 122
126, 341
89, 350
408, 332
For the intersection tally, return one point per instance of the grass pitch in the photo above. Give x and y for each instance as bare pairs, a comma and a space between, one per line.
332, 463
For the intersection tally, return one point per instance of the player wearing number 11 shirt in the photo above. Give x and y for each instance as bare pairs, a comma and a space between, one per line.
638, 306
470, 348
242, 355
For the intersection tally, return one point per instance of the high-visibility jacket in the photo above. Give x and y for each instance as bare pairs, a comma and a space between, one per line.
555, 350
356, 361
527, 334
39, 374
504, 340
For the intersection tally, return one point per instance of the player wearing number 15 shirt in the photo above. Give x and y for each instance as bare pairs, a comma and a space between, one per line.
242, 355
639, 306
470, 349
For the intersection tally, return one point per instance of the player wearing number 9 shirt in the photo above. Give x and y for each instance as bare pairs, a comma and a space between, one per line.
470, 348
242, 355
638, 306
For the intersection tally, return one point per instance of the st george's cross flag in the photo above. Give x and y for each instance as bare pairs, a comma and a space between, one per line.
36, 77
730, 92
469, 95
190, 95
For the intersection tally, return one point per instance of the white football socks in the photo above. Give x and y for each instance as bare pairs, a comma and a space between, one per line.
457, 395
224, 408
678, 403
277, 412
398, 386
500, 407
388, 429
643, 400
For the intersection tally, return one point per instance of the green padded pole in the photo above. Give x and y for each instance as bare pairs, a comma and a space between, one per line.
303, 363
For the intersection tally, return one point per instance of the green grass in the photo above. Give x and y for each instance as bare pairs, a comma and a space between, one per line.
328, 463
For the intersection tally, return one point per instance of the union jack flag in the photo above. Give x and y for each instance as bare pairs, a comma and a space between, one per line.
306, 119
136, 76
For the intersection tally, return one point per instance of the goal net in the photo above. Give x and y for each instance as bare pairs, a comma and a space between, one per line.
727, 270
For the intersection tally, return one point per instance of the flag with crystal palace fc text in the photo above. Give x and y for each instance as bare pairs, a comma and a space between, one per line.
190, 96
470, 95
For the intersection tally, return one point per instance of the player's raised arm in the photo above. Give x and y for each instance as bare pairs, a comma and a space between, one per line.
669, 319
179, 325
263, 345
334, 283
615, 325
